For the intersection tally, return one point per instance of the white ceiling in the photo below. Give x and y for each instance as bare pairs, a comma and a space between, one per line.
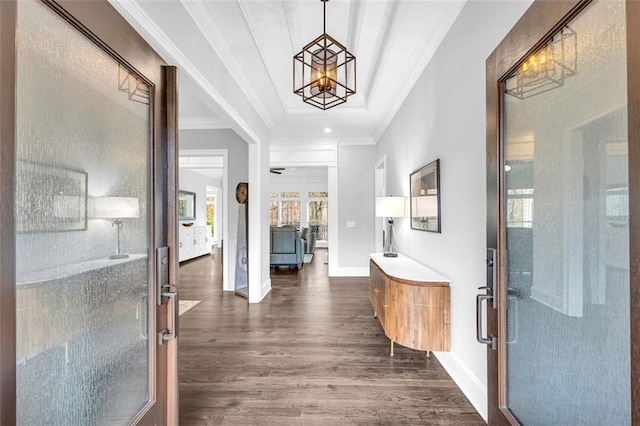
253, 42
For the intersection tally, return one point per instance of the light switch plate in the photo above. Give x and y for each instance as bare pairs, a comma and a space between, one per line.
351, 224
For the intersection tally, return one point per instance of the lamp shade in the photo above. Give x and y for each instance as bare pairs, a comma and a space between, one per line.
391, 207
114, 207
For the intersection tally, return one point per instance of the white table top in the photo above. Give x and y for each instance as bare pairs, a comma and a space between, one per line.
67, 271
405, 268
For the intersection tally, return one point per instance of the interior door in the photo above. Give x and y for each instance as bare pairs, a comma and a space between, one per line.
562, 305
88, 120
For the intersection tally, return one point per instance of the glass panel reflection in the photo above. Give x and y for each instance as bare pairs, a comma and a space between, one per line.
566, 215
83, 135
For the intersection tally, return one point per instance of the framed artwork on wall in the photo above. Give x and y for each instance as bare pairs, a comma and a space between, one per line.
186, 205
425, 198
50, 198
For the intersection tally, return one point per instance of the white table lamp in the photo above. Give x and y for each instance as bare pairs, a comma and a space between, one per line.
390, 207
116, 208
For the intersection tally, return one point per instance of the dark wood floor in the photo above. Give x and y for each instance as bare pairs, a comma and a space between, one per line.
310, 354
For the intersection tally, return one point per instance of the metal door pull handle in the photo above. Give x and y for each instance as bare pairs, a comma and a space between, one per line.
165, 335
479, 332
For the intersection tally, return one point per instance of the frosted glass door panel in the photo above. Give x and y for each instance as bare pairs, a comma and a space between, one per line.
566, 227
82, 224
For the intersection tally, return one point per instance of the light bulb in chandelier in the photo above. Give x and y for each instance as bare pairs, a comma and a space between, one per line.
323, 65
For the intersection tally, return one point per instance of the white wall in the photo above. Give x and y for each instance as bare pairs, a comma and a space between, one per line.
444, 117
356, 201
237, 165
195, 182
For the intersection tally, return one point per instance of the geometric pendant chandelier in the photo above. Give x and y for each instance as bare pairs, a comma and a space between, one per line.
324, 72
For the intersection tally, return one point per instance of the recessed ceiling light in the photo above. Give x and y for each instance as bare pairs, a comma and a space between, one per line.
327, 130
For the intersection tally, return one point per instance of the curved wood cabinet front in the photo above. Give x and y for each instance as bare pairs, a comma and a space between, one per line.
413, 313
377, 293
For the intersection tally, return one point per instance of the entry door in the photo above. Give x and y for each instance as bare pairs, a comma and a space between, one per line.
560, 184
85, 124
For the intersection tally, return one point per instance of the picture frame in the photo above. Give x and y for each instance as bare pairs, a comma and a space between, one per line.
186, 205
50, 198
424, 202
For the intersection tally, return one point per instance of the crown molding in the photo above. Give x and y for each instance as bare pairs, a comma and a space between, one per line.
200, 123
356, 13
203, 15
381, 46
162, 44
249, 19
423, 52
357, 141
283, 144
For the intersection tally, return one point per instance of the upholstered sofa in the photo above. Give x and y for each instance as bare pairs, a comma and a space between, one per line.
286, 247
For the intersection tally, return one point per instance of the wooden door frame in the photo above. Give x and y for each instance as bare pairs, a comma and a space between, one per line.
8, 13
102, 24
539, 23
633, 99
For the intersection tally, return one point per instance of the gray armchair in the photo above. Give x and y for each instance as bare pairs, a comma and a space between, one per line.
286, 247
309, 236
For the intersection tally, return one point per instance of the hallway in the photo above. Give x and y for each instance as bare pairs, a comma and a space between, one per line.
310, 353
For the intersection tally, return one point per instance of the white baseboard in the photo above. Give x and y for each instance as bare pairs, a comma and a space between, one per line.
266, 288
352, 272
468, 383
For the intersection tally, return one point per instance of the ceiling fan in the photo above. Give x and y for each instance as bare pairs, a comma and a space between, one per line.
276, 170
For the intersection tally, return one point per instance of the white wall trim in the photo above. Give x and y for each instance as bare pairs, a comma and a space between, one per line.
333, 221
357, 141
224, 153
266, 289
258, 217
200, 123
299, 155
352, 272
468, 383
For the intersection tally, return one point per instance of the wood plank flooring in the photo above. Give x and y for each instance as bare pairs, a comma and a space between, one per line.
310, 354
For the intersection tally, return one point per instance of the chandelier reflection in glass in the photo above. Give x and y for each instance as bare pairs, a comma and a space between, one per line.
547, 68
324, 72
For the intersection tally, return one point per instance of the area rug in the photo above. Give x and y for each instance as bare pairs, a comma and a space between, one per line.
185, 305
308, 257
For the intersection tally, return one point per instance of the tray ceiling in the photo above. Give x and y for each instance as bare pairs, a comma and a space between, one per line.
235, 58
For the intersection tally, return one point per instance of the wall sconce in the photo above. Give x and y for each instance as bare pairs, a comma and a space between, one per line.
116, 208
547, 68
390, 207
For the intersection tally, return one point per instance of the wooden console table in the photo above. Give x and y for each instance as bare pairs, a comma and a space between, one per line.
411, 301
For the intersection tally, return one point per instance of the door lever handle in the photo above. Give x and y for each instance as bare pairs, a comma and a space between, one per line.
479, 315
